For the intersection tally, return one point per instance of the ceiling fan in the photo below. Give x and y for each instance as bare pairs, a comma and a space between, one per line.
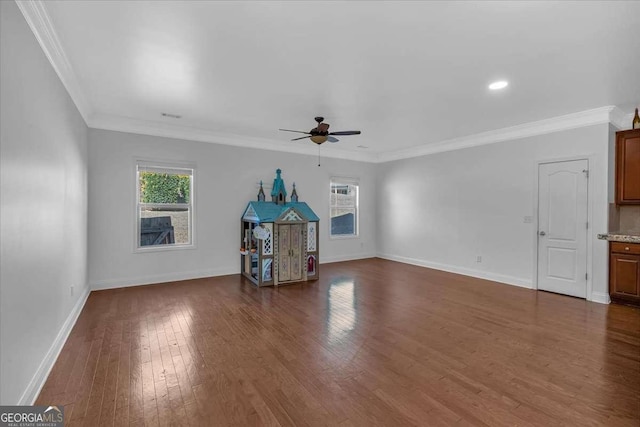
321, 134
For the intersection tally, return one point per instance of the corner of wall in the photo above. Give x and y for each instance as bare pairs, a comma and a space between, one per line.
40, 377
600, 297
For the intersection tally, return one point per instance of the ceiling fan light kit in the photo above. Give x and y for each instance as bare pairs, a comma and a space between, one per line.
318, 139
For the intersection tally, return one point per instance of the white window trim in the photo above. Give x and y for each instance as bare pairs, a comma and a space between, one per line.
350, 181
159, 165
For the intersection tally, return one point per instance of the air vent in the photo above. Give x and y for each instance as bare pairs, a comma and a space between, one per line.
173, 116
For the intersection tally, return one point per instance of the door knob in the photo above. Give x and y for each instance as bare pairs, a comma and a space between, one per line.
542, 233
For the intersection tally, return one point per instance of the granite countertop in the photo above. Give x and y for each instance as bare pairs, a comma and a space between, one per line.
621, 236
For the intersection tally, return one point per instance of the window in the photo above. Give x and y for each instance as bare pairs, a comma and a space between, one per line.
344, 208
164, 205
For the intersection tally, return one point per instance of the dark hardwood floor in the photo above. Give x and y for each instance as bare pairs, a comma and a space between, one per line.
373, 342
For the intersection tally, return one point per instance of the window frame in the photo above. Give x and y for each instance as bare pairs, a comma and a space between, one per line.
169, 167
355, 182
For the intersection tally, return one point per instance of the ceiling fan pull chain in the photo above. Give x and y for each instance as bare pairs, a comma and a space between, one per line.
318, 156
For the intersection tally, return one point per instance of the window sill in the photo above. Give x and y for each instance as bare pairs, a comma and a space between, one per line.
163, 248
344, 237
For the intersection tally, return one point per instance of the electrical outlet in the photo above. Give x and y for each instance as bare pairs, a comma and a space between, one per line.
478, 258
71, 290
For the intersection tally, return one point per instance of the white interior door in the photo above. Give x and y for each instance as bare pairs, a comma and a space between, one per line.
562, 227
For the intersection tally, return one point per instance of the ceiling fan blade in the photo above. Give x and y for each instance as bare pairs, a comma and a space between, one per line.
346, 132
302, 137
297, 131
332, 139
323, 127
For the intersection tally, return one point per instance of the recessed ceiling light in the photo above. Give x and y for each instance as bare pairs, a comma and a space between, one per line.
173, 116
501, 84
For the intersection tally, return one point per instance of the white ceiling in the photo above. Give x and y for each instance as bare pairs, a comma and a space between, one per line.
408, 74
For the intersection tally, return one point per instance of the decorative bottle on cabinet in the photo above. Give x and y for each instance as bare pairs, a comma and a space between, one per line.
636, 121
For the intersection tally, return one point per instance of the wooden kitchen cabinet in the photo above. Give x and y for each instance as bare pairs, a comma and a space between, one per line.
628, 167
624, 272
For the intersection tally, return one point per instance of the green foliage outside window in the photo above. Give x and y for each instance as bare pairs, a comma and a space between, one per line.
164, 188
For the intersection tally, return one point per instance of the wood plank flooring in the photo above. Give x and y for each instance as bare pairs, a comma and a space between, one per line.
373, 342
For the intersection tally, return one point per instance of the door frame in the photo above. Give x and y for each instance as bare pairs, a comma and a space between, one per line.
590, 197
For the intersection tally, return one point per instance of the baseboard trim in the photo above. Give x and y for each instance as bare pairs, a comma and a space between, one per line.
40, 377
341, 258
494, 277
99, 285
600, 297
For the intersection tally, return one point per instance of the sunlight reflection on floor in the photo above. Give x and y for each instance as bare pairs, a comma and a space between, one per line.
341, 310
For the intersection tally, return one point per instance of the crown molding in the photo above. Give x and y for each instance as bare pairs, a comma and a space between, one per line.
608, 114
618, 118
35, 13
146, 127
621, 120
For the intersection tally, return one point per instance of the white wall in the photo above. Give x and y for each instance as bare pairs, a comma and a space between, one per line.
226, 180
611, 165
445, 209
43, 146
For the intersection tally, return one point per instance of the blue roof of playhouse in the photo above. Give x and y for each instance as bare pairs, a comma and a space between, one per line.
270, 212
263, 211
